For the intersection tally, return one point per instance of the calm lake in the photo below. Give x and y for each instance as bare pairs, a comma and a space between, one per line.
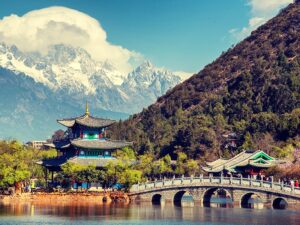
143, 214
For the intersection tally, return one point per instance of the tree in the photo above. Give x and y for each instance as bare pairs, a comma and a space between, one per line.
247, 144
122, 170
125, 154
180, 163
162, 167
192, 167
144, 164
18, 162
58, 135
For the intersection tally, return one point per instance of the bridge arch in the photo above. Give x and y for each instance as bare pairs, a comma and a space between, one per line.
178, 197
251, 200
222, 197
280, 203
157, 199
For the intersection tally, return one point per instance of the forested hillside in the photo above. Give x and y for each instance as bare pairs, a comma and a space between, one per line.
252, 90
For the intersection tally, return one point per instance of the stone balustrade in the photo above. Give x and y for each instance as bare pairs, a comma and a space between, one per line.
215, 181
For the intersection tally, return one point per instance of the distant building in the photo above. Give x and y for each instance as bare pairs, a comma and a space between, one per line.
85, 143
230, 141
245, 163
36, 144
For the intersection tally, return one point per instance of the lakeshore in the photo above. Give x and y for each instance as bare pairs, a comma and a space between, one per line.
66, 198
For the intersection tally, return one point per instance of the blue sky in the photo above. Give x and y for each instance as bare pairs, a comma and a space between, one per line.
182, 35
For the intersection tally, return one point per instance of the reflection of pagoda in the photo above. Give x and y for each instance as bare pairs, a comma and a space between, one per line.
84, 143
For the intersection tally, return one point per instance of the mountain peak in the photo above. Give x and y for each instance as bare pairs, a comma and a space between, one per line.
146, 65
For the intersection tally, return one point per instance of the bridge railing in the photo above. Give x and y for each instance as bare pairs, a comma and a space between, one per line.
218, 181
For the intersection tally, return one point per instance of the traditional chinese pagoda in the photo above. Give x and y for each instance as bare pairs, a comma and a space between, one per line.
84, 143
245, 163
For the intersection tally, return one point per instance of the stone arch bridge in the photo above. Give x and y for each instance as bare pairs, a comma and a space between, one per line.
202, 189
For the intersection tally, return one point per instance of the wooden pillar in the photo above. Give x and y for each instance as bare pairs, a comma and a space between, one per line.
52, 176
46, 176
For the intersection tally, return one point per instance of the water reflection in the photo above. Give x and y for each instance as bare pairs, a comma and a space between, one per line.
141, 214
280, 203
252, 201
217, 198
187, 201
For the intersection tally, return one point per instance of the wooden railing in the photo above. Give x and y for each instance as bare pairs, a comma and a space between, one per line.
216, 181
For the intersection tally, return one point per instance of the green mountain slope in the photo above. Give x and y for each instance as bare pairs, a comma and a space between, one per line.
252, 89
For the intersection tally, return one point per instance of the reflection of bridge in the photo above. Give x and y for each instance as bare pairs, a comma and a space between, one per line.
201, 189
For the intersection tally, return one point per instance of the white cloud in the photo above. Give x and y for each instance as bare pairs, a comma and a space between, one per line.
245, 31
261, 11
183, 75
265, 7
38, 29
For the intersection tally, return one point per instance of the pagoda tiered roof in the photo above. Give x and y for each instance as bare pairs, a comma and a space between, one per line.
105, 144
97, 144
57, 162
59, 144
86, 120
245, 158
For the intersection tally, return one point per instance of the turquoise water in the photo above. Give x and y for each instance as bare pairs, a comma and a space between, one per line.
117, 214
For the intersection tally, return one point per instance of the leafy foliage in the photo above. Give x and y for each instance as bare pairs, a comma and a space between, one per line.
253, 89
122, 170
18, 162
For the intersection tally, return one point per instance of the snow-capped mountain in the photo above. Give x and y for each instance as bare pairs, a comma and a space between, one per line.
62, 67
64, 77
147, 77
146, 83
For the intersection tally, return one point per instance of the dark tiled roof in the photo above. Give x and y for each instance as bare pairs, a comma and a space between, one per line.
87, 120
98, 162
99, 144
57, 162
59, 144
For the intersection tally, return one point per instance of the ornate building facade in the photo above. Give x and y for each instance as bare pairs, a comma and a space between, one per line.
84, 143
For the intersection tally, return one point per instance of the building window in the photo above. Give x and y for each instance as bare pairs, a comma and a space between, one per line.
90, 135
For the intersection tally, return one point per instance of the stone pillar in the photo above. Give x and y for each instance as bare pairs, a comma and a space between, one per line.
236, 198
272, 179
168, 196
197, 195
